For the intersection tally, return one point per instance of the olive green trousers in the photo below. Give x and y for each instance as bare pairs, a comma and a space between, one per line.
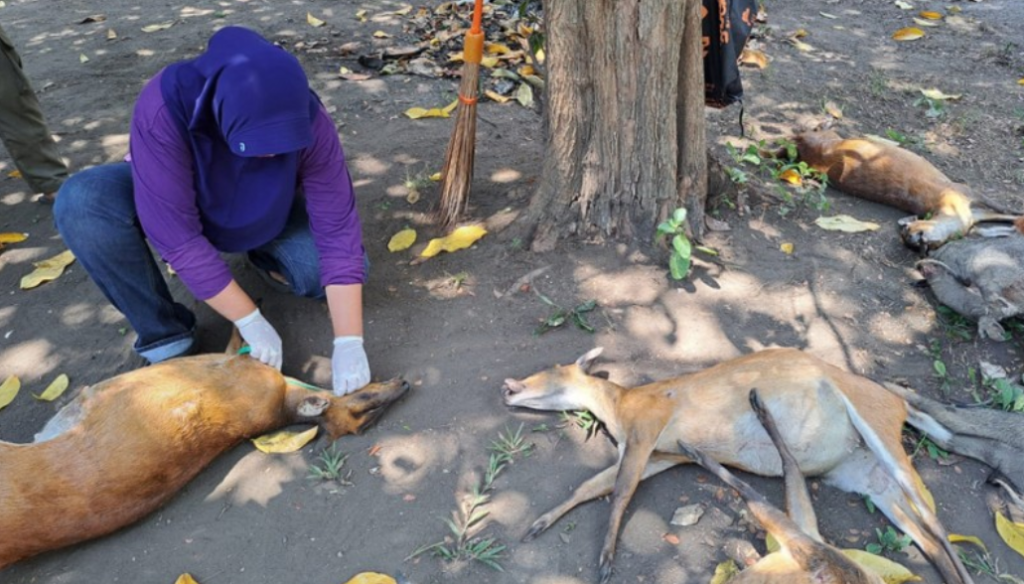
23, 127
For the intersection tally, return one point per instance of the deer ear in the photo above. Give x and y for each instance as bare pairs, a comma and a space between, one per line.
587, 360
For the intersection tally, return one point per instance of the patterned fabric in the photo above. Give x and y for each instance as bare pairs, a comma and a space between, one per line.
726, 26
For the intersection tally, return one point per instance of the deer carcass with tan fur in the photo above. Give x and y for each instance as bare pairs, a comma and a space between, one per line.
125, 446
841, 427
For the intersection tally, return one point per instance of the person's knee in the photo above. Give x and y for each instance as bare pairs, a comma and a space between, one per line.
90, 201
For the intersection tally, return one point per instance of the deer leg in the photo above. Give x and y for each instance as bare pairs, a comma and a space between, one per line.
863, 473
597, 486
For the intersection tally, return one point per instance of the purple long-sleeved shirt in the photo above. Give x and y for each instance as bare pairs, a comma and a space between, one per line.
171, 214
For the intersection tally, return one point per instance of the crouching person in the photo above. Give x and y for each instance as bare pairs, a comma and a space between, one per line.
229, 152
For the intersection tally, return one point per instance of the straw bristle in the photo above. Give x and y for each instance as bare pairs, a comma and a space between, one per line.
457, 174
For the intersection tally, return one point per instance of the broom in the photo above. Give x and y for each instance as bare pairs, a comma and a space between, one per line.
457, 172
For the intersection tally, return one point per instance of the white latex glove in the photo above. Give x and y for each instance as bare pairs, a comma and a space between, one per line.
349, 367
264, 342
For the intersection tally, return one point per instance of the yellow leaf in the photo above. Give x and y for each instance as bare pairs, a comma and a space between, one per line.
111, 34
314, 21
909, 33
403, 11
527, 70
524, 95
489, 62
1012, 533
157, 27
937, 95
381, 35
451, 107
436, 177
14, 174
799, 33
461, 238
412, 196
185, 578
1020, 81
284, 441
800, 45
371, 578
361, 15
55, 389
419, 112
925, 23
402, 240
890, 571
8, 390
455, 57
930, 15
957, 538
495, 96
754, 58
833, 110
497, 48
791, 176
47, 270
787, 248
13, 237
770, 542
954, 9
846, 224
82, 58
724, 572
904, 5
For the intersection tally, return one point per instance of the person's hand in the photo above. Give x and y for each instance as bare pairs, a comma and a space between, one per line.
264, 342
349, 367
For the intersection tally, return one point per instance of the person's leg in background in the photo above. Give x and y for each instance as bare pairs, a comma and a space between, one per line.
23, 128
95, 214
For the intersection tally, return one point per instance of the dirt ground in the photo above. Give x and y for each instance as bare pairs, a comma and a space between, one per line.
255, 518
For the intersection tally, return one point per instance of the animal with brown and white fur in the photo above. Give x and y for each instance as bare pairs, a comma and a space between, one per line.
841, 427
124, 447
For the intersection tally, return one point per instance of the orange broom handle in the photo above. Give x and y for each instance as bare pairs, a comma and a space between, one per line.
473, 51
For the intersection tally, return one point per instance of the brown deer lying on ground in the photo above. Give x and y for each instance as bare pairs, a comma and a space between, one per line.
803, 556
888, 174
840, 426
125, 446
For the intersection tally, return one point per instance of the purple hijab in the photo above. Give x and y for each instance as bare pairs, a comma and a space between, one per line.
246, 110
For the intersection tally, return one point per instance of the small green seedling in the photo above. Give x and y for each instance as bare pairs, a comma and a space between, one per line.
889, 540
331, 461
679, 262
561, 315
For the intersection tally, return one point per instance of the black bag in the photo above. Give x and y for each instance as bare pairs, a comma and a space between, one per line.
726, 26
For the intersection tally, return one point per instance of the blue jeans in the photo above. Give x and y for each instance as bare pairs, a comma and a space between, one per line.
95, 214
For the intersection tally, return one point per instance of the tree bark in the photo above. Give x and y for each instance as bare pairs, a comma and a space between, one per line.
625, 105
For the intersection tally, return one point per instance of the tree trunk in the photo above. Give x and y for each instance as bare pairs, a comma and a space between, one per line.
625, 106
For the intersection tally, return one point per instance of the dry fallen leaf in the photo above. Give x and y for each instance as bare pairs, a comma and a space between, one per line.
829, 16
724, 572
799, 33
157, 27
436, 177
495, 96
957, 538
14, 174
1020, 81
314, 21
284, 441
111, 34
497, 48
833, 110
83, 58
800, 45
1012, 533
55, 389
890, 571
381, 35
524, 95
12, 238
671, 538
416, 113
925, 23
93, 18
787, 248
791, 176
904, 5
371, 578
402, 240
451, 107
361, 15
909, 33
930, 15
185, 578
846, 224
47, 270
461, 238
9, 390
754, 58
937, 95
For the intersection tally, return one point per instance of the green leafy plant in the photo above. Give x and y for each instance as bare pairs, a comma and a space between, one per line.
935, 108
939, 366
925, 443
581, 419
561, 315
1005, 394
464, 542
807, 184
955, 325
331, 462
674, 228
889, 540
